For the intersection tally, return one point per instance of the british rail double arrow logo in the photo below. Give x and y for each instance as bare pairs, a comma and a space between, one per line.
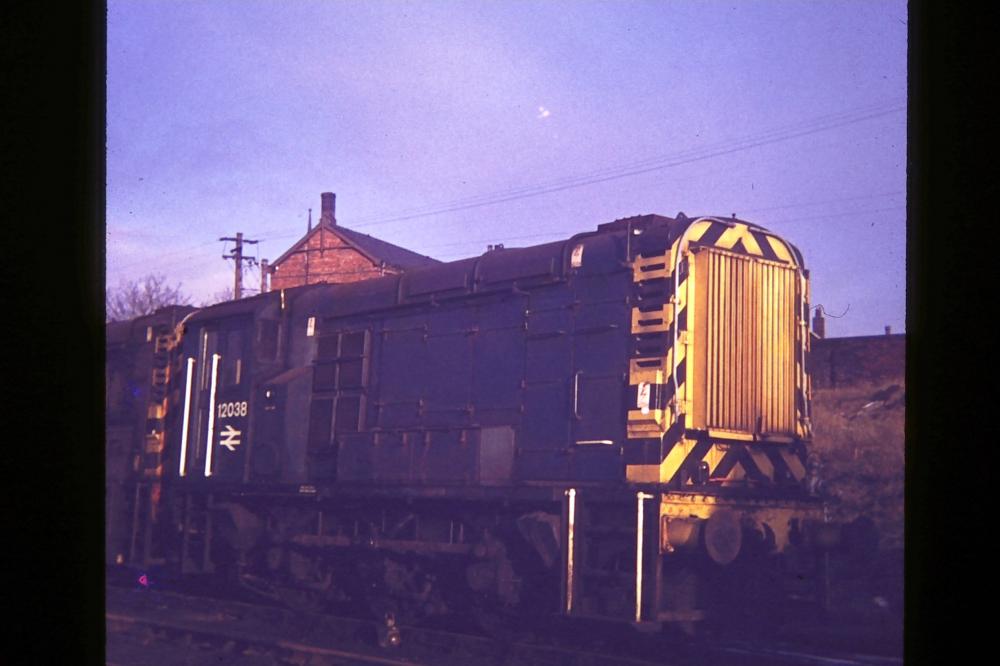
230, 438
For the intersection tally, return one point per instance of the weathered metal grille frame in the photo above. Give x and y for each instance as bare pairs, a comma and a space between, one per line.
750, 350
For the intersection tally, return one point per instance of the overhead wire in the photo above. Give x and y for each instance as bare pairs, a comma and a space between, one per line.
796, 219
557, 234
607, 171
163, 255
784, 133
825, 202
703, 152
795, 130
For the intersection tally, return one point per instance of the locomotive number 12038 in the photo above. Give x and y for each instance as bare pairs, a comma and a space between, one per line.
232, 409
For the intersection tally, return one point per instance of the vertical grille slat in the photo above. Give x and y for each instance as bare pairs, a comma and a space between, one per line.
749, 306
730, 415
776, 351
740, 347
712, 386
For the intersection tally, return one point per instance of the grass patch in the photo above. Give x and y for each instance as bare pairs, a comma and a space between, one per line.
858, 440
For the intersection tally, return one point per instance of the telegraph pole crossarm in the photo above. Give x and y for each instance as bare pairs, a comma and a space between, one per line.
237, 255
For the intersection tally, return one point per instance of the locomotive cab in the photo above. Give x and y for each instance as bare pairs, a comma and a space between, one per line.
226, 352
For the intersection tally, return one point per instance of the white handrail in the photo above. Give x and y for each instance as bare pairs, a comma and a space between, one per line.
187, 416
640, 498
211, 415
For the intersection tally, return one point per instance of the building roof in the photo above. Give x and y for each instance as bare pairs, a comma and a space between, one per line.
378, 251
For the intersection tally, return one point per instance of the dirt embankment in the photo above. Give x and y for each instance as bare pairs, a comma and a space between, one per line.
858, 442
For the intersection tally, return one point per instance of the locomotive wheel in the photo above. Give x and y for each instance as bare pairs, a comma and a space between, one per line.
723, 536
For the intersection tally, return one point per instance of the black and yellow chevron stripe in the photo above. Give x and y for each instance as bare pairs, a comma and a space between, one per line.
687, 462
803, 381
662, 409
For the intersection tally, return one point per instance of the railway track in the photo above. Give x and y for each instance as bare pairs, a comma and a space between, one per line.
208, 643
148, 627
254, 634
792, 655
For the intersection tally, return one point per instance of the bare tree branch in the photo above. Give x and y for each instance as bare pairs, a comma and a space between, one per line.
136, 298
218, 297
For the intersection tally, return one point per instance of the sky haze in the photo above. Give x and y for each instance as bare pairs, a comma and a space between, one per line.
447, 126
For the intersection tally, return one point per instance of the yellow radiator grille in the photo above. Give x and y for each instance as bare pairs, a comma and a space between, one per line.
746, 334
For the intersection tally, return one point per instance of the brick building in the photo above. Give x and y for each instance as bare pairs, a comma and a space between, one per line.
871, 359
332, 253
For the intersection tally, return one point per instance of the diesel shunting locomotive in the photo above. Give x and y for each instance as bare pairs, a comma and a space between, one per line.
614, 426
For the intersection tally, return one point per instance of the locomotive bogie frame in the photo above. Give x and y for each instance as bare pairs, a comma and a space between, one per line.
574, 551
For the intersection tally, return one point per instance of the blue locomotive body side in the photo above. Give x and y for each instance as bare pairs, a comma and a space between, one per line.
509, 368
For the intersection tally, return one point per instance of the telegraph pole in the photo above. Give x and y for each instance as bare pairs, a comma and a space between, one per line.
237, 255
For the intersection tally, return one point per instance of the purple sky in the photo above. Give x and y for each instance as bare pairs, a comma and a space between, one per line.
234, 116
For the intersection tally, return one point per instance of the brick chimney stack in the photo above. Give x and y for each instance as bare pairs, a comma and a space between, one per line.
888, 330
328, 212
819, 324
